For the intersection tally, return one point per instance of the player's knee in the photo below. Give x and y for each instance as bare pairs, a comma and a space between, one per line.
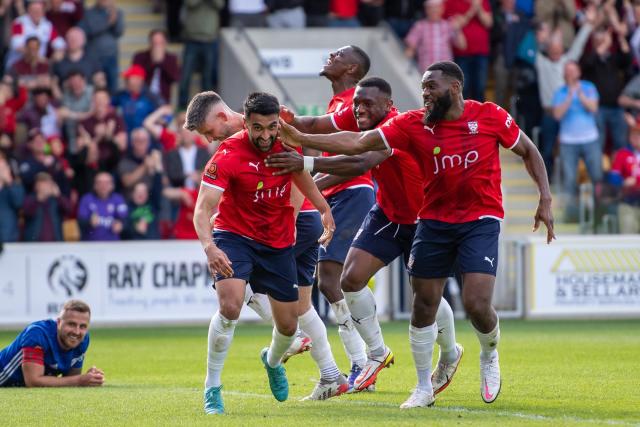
351, 281
230, 309
288, 329
476, 307
330, 290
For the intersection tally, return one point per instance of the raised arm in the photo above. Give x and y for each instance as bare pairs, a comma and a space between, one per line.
208, 199
535, 166
308, 124
308, 188
339, 143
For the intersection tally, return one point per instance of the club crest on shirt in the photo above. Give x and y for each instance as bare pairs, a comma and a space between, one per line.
212, 170
473, 127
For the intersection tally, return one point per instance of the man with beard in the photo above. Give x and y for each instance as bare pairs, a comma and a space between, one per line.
455, 142
50, 353
386, 232
252, 240
350, 201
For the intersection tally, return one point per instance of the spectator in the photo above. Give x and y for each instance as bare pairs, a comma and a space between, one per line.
247, 13
64, 14
184, 164
31, 68
40, 159
101, 214
343, 14
550, 78
285, 13
625, 174
370, 12
629, 99
76, 105
475, 19
401, 14
432, 39
183, 227
104, 25
12, 98
510, 26
200, 45
141, 165
161, 67
575, 106
605, 66
142, 221
33, 23
11, 197
104, 122
41, 112
75, 58
136, 101
317, 12
172, 14
44, 211
559, 15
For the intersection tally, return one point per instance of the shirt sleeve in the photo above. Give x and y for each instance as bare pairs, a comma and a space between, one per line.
345, 119
219, 169
506, 128
34, 344
393, 133
558, 97
121, 208
413, 38
590, 91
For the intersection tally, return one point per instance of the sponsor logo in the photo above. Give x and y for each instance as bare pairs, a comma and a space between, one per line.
255, 165
450, 161
473, 127
489, 260
508, 122
68, 275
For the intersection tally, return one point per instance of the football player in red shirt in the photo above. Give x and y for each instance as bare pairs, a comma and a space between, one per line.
388, 229
456, 143
253, 240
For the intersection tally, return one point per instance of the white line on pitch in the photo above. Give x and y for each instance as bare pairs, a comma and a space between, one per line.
456, 409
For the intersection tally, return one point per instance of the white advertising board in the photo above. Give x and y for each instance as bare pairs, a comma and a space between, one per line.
158, 281
583, 276
295, 62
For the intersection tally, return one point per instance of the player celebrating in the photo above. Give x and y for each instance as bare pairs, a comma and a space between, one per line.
388, 230
50, 353
455, 142
349, 200
253, 240
208, 114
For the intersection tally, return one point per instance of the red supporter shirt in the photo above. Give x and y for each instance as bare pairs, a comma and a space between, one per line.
183, 228
460, 159
344, 9
399, 177
255, 204
477, 35
627, 164
338, 102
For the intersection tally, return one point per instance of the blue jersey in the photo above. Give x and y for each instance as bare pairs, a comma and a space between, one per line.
41, 334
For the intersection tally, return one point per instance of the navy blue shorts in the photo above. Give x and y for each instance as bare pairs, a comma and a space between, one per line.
270, 271
349, 208
308, 231
384, 239
438, 245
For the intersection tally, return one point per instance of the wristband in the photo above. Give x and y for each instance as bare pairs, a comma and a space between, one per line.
308, 163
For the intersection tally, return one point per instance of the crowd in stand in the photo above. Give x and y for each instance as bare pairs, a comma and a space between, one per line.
93, 152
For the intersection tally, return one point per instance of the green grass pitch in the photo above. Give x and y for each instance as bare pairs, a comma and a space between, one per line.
554, 373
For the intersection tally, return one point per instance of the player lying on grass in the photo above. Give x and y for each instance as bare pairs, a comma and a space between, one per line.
50, 353
209, 115
456, 144
252, 240
388, 230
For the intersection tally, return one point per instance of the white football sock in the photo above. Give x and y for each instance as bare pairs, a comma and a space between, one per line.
220, 336
258, 303
311, 324
351, 340
279, 345
489, 342
362, 305
422, 341
446, 332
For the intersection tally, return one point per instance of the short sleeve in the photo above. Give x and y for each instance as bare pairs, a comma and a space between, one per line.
558, 97
219, 169
507, 131
34, 337
345, 119
591, 91
393, 133
414, 36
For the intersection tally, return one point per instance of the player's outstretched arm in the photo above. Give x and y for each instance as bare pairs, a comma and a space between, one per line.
308, 124
208, 199
34, 377
535, 166
338, 143
347, 166
308, 188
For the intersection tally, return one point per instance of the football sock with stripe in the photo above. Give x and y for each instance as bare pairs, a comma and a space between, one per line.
351, 340
311, 324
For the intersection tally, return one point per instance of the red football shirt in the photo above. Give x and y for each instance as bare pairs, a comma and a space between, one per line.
460, 159
399, 177
338, 102
255, 204
627, 164
477, 35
